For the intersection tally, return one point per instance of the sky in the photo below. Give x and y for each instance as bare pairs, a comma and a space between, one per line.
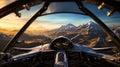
55, 20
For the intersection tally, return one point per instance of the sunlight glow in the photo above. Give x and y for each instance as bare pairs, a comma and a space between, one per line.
5, 2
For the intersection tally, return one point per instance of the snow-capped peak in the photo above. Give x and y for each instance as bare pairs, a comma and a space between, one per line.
68, 26
91, 23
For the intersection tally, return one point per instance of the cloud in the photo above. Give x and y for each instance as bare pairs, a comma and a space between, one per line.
11, 21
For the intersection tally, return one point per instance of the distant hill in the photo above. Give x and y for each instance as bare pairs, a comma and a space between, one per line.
3, 40
34, 38
8, 32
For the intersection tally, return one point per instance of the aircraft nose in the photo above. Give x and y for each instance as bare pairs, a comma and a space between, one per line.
61, 60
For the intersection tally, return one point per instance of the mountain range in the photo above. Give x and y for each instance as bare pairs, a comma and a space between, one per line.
89, 34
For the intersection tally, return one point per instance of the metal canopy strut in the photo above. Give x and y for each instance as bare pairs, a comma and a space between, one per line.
103, 26
15, 39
